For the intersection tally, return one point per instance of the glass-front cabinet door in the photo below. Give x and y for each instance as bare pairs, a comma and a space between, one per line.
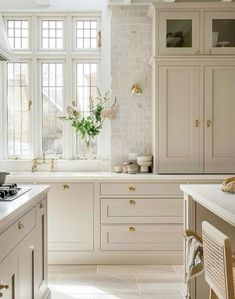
179, 33
220, 33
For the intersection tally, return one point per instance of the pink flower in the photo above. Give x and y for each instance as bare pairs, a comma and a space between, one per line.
73, 111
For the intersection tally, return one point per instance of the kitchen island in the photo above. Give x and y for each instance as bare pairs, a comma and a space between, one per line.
208, 202
23, 244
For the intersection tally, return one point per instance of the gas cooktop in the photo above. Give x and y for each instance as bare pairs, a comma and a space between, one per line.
9, 192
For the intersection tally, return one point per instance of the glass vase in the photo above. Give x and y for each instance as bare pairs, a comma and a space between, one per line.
87, 149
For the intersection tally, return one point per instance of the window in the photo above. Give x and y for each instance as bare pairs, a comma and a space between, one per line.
18, 34
54, 73
52, 34
86, 88
18, 100
87, 34
52, 102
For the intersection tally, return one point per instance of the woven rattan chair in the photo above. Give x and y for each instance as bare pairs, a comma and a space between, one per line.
218, 262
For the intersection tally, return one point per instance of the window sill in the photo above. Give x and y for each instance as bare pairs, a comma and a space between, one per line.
59, 166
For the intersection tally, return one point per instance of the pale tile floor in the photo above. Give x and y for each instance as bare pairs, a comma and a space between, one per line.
116, 282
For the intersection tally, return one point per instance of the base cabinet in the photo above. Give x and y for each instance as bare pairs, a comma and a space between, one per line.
23, 270
70, 225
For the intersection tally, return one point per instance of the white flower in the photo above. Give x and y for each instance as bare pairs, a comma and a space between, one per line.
73, 111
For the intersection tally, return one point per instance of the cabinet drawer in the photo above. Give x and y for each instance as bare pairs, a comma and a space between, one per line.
156, 210
140, 237
140, 189
16, 232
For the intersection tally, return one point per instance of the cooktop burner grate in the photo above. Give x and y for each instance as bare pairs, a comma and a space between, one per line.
9, 192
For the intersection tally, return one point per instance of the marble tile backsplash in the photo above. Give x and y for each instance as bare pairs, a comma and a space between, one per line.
130, 52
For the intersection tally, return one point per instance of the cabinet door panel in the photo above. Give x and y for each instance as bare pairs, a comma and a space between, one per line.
220, 32
70, 220
219, 119
9, 276
179, 33
26, 260
179, 119
41, 252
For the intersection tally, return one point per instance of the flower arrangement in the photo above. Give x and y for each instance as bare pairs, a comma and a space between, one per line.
88, 127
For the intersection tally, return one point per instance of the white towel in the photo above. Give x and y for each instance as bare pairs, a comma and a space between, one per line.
194, 258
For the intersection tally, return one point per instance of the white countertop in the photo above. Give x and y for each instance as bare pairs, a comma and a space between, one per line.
211, 197
33, 177
10, 210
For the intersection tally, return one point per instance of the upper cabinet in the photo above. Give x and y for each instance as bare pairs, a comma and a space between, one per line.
179, 33
194, 29
220, 32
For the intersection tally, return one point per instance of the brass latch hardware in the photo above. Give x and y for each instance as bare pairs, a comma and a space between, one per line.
131, 229
197, 123
132, 202
208, 123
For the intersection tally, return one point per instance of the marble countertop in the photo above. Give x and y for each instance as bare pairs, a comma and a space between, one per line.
34, 177
212, 198
11, 210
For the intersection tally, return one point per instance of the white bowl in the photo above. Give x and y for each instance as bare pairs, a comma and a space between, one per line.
144, 158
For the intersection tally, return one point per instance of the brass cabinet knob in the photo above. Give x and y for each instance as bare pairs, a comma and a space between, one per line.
132, 202
197, 123
66, 187
208, 123
41, 206
131, 189
131, 229
20, 225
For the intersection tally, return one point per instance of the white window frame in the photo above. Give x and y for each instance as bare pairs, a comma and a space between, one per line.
75, 61
39, 37
35, 56
21, 18
5, 109
74, 33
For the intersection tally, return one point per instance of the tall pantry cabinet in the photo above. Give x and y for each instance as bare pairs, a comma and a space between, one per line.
194, 87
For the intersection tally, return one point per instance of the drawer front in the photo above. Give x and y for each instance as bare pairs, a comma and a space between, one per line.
119, 210
140, 189
16, 232
138, 237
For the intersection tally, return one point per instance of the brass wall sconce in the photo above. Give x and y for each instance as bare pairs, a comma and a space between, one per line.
135, 89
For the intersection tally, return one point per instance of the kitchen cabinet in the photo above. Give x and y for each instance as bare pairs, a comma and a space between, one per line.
190, 29
23, 269
26, 266
179, 33
9, 277
41, 252
70, 208
219, 118
179, 119
196, 117
220, 33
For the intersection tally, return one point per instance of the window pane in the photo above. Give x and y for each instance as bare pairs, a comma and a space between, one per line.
18, 34
86, 32
52, 34
18, 96
86, 81
52, 100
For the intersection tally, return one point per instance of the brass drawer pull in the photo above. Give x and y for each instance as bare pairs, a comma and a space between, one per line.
131, 189
131, 229
66, 187
20, 225
208, 123
197, 123
41, 206
132, 202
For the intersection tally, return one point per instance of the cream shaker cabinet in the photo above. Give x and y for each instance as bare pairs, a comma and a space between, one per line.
219, 146
179, 119
194, 29
70, 209
196, 117
22, 260
179, 33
